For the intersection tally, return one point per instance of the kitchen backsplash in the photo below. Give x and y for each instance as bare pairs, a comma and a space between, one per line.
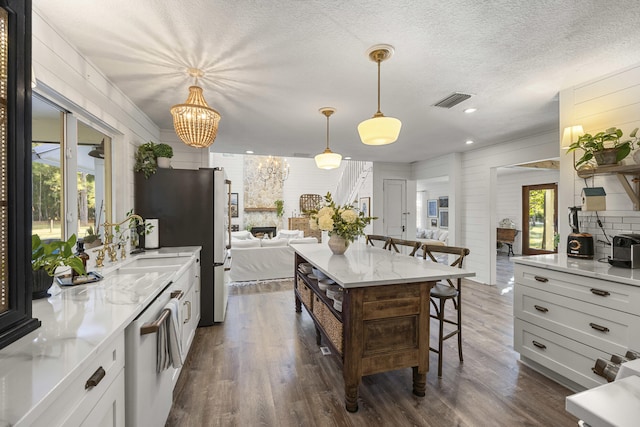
612, 225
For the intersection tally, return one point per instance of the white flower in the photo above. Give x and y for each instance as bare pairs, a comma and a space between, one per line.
325, 223
349, 216
326, 211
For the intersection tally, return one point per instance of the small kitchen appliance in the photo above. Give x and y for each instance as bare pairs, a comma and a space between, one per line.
579, 245
625, 251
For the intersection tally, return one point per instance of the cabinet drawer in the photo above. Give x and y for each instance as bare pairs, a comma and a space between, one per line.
562, 355
77, 401
304, 293
614, 295
609, 330
329, 323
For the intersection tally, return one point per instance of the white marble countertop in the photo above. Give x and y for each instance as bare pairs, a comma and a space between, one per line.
365, 265
610, 405
76, 322
582, 267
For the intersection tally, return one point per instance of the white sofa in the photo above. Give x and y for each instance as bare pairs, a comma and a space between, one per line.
432, 236
262, 259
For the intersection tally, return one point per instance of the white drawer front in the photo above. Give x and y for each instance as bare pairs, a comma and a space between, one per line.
614, 295
609, 330
568, 358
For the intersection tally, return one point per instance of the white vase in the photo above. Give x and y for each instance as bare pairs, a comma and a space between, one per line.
338, 245
164, 162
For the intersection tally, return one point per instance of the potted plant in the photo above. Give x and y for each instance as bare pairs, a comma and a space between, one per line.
606, 147
163, 153
92, 238
47, 257
146, 159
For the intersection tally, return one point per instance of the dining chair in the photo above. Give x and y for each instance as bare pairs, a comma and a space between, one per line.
412, 245
384, 241
444, 291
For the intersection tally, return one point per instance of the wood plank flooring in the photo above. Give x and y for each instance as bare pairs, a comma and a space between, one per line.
262, 367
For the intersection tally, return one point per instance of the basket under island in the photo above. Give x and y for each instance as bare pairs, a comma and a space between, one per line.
384, 322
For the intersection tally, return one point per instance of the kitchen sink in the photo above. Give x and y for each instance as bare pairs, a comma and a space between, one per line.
134, 269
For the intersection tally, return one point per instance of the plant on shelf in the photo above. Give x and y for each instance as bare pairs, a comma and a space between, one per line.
47, 257
146, 159
605, 147
163, 150
345, 222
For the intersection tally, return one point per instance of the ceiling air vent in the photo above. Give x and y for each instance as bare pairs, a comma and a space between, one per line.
452, 100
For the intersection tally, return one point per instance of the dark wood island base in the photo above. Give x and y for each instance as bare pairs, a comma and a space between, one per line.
381, 328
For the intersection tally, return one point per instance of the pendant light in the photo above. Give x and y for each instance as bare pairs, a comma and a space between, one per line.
379, 130
328, 159
194, 121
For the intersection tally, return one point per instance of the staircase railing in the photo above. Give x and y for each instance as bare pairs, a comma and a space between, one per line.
353, 176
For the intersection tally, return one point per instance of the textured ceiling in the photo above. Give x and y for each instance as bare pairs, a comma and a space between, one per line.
270, 65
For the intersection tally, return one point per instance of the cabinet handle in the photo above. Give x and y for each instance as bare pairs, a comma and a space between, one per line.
177, 294
541, 279
598, 327
188, 304
539, 345
95, 379
541, 308
600, 292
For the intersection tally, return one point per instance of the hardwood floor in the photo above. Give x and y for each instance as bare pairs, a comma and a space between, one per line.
263, 367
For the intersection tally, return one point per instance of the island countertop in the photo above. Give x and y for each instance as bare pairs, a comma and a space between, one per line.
582, 267
364, 265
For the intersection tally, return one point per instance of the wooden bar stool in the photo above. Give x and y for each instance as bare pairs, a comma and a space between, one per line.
444, 291
411, 244
384, 240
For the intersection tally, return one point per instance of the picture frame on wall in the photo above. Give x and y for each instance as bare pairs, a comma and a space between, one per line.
443, 202
432, 208
434, 222
234, 205
444, 218
365, 205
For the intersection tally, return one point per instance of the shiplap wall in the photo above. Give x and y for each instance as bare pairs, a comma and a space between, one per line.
68, 79
509, 196
612, 100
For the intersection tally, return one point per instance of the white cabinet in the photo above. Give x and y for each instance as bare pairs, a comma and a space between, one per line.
564, 322
95, 397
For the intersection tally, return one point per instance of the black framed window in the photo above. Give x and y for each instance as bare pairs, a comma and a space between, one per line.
15, 180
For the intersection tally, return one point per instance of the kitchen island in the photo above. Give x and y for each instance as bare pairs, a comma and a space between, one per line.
384, 322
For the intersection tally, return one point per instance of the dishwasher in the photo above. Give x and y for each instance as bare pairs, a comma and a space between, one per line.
148, 393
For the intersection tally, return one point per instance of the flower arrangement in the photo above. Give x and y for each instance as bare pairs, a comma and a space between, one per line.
344, 221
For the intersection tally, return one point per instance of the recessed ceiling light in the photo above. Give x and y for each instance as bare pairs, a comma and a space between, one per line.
347, 158
469, 142
249, 152
470, 110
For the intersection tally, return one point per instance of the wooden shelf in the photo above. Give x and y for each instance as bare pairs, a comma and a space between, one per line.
260, 209
621, 171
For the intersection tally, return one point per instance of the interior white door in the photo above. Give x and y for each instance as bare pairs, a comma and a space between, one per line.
395, 207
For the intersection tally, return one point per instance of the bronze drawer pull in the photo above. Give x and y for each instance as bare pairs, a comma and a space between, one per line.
541, 279
541, 308
95, 379
600, 292
539, 345
598, 327
177, 294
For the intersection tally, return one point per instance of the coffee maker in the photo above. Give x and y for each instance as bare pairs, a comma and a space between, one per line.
579, 245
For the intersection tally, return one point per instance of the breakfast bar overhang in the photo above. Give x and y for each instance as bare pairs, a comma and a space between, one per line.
384, 323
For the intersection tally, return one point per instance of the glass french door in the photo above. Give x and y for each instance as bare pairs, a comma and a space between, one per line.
539, 218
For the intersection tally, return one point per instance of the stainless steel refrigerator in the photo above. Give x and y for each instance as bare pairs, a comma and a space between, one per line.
192, 207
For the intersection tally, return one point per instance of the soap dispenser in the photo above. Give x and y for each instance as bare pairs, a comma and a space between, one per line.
80, 253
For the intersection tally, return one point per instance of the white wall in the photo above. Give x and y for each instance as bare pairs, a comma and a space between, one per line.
432, 189
64, 76
611, 100
304, 178
509, 185
184, 156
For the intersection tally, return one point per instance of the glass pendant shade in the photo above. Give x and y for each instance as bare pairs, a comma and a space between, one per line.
328, 160
194, 121
379, 130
